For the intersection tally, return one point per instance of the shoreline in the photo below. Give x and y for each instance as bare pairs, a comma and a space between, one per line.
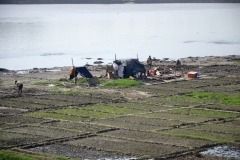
206, 60
93, 119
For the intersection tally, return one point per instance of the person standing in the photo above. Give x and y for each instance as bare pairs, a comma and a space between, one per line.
120, 71
20, 86
149, 62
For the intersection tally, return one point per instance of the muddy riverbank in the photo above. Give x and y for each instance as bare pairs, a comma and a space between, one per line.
157, 120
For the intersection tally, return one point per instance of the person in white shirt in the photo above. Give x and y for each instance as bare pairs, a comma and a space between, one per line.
120, 71
20, 86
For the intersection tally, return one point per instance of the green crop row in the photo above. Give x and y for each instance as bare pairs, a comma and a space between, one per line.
123, 83
48, 83
212, 97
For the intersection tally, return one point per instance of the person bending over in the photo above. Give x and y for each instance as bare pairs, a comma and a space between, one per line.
20, 86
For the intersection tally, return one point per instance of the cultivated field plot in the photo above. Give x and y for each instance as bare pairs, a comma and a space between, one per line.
78, 152
144, 106
170, 101
220, 107
213, 135
24, 105
138, 123
180, 117
80, 127
76, 99
20, 119
11, 139
128, 147
86, 113
154, 137
38, 100
7, 110
50, 132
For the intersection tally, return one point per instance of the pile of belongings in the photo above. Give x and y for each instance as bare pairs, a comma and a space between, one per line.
162, 73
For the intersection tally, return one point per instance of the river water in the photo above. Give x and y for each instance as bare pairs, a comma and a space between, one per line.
41, 36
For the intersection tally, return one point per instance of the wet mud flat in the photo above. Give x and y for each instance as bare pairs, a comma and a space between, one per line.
154, 121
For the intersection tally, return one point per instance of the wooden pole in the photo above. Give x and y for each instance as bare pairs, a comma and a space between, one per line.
137, 56
74, 72
115, 72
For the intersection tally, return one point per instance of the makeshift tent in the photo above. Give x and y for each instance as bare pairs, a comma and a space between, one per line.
83, 71
131, 67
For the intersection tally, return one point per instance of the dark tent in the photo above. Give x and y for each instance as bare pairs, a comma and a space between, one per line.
131, 66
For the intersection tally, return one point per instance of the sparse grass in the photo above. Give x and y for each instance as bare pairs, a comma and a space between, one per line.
58, 116
10, 156
202, 135
48, 83
73, 114
221, 98
113, 109
123, 83
68, 92
207, 113
1, 82
237, 63
86, 113
85, 80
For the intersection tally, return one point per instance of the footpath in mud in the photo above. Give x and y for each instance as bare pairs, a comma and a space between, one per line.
158, 120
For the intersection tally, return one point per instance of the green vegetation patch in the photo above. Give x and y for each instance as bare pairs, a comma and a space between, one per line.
48, 83
221, 128
206, 113
143, 106
13, 156
171, 101
203, 135
180, 117
86, 80
123, 83
113, 109
1, 82
222, 98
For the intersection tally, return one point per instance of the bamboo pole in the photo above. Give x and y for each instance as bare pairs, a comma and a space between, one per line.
74, 72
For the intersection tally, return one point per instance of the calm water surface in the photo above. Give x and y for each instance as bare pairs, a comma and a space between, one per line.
50, 35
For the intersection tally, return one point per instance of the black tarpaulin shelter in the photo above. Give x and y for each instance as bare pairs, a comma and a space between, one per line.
131, 66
